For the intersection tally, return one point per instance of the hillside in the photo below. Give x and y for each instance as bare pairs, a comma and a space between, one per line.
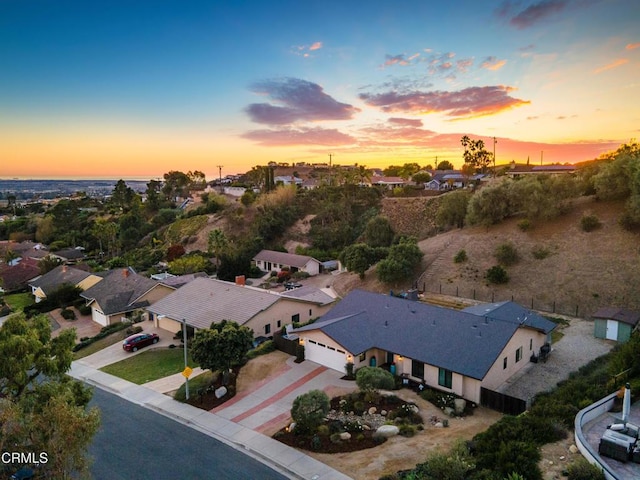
583, 271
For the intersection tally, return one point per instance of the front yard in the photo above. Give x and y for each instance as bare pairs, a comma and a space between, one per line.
17, 301
150, 365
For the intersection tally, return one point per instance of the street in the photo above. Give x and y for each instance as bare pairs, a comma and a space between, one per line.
136, 443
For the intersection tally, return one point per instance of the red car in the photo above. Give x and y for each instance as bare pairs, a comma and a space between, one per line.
139, 340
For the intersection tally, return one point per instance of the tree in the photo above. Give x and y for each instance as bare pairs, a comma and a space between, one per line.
189, 264
40, 407
48, 263
309, 410
378, 232
490, 205
123, 196
453, 209
444, 165
401, 262
421, 177
154, 199
475, 154
358, 258
371, 379
221, 346
217, 243
107, 234
176, 184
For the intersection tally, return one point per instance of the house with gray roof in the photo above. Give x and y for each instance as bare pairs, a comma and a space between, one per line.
54, 279
271, 260
459, 351
204, 301
614, 323
120, 294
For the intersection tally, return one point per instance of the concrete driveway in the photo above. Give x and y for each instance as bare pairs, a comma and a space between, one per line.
114, 353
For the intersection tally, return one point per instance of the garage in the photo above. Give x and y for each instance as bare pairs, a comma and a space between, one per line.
325, 355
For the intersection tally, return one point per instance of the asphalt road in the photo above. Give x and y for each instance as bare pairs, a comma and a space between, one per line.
136, 443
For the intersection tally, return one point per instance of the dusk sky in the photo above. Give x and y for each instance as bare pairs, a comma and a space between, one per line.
134, 89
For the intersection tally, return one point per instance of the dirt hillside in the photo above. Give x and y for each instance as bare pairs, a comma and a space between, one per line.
582, 272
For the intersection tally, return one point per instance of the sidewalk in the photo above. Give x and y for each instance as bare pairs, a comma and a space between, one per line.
286, 460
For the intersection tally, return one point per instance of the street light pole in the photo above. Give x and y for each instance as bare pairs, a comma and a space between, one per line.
184, 336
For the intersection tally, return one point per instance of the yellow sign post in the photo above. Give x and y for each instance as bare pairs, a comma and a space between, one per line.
186, 373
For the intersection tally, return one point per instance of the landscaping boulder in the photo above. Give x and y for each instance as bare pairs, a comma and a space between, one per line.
387, 431
448, 411
412, 408
220, 392
372, 410
439, 425
460, 404
345, 436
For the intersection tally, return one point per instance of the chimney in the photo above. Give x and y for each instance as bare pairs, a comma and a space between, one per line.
240, 280
64, 269
125, 272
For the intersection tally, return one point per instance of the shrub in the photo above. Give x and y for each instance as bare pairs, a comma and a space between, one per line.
84, 310
589, 223
133, 330
68, 314
335, 438
461, 256
374, 378
262, 349
316, 443
309, 410
581, 469
539, 252
407, 430
349, 369
506, 254
299, 353
497, 275
524, 224
323, 430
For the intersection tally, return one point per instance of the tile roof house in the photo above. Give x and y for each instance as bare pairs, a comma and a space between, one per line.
120, 294
69, 255
16, 277
613, 323
205, 301
451, 350
270, 260
54, 279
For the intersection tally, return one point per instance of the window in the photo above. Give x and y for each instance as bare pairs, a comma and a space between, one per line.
504, 363
445, 377
295, 318
267, 328
279, 323
363, 356
417, 369
530, 344
518, 354
310, 312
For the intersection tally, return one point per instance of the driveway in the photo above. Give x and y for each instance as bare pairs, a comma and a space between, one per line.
114, 353
575, 349
267, 407
84, 324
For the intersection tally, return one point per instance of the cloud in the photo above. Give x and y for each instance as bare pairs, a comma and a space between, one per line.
616, 63
315, 46
632, 46
409, 122
469, 102
464, 64
299, 136
532, 14
296, 100
492, 63
400, 59
304, 50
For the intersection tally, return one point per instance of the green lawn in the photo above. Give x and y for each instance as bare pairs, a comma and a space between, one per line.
150, 365
98, 345
17, 301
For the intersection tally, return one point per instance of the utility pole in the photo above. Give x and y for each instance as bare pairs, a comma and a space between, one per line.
330, 168
220, 172
494, 155
541, 152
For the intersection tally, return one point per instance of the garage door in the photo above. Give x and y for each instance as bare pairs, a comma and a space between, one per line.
325, 355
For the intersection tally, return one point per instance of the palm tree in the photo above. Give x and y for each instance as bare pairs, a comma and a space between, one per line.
217, 243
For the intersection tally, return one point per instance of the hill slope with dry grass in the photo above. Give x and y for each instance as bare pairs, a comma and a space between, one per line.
582, 271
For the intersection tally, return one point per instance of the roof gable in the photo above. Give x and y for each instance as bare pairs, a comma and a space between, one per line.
283, 258
53, 279
119, 291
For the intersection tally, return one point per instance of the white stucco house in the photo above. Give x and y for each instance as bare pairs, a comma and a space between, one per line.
270, 260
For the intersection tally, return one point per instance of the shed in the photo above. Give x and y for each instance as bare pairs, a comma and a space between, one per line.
613, 323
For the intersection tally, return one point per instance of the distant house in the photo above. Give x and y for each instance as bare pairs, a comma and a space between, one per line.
204, 301
54, 279
455, 351
270, 260
614, 323
388, 182
287, 180
519, 170
121, 293
69, 255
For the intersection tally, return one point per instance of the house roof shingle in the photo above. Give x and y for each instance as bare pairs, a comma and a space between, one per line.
460, 341
204, 301
17, 276
51, 280
309, 294
119, 291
